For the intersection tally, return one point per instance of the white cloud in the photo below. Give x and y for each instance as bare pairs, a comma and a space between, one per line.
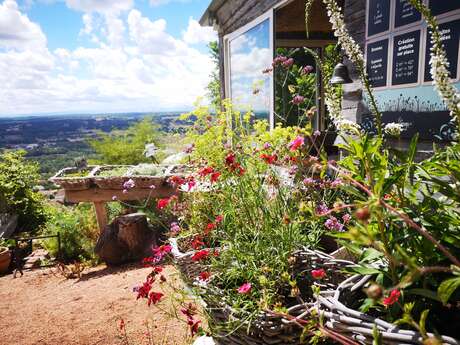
136, 66
16, 30
196, 33
101, 6
164, 2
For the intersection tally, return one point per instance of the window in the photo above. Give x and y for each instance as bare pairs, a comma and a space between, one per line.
249, 51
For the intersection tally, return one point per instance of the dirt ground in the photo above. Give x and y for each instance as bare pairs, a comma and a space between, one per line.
45, 308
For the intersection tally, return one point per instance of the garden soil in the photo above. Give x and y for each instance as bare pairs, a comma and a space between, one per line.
44, 308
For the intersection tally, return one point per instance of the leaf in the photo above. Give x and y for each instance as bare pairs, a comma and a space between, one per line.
424, 293
364, 270
447, 288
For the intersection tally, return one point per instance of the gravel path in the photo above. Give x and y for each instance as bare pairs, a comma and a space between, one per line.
44, 308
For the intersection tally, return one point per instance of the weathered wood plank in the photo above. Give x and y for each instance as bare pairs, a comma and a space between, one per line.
101, 215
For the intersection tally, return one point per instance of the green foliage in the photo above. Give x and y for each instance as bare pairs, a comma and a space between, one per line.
17, 180
127, 148
78, 229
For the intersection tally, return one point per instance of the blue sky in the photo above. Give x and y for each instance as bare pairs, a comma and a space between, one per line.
102, 55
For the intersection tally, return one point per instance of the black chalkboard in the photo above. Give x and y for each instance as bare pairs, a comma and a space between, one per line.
443, 6
378, 17
406, 53
377, 63
405, 13
451, 38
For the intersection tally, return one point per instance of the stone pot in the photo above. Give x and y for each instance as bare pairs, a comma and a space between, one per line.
5, 259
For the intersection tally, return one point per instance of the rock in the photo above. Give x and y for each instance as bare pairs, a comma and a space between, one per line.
127, 238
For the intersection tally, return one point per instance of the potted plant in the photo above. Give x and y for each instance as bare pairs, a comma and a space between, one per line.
5, 259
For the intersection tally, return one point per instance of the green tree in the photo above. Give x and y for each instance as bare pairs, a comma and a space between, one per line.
18, 177
128, 147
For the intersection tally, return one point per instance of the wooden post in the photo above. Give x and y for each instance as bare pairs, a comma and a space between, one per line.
101, 215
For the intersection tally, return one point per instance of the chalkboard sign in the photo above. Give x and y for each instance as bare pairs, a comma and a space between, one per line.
443, 6
451, 39
378, 17
406, 53
377, 62
405, 13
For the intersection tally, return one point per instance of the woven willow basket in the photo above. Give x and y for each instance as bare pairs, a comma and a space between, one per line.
337, 290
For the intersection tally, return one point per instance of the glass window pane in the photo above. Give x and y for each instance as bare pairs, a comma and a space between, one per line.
250, 55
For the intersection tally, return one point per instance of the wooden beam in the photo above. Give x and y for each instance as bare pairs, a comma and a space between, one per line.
107, 195
101, 215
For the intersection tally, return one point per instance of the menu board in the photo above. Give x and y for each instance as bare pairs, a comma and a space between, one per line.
443, 6
378, 17
405, 13
377, 63
406, 53
451, 39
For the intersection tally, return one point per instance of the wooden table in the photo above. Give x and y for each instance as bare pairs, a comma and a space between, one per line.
99, 197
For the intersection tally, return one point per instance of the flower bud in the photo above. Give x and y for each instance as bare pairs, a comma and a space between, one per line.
374, 292
363, 214
432, 341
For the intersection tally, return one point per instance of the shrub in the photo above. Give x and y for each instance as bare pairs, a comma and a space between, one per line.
18, 177
78, 229
127, 148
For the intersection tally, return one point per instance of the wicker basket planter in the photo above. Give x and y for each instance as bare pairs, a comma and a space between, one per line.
189, 269
111, 182
63, 179
337, 290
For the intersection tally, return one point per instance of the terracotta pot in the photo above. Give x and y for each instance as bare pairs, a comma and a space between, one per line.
5, 259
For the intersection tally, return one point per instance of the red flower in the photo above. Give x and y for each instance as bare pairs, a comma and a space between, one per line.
144, 289
162, 203
296, 143
210, 227
194, 326
197, 242
122, 324
245, 288
200, 255
204, 276
162, 279
392, 298
269, 159
206, 171
160, 252
189, 311
176, 180
154, 297
230, 159
190, 184
219, 218
318, 274
157, 269
215, 176
216, 252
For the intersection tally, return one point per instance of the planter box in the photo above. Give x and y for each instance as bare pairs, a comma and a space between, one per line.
111, 182
64, 179
5, 259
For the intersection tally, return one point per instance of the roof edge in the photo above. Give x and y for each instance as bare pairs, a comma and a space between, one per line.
208, 18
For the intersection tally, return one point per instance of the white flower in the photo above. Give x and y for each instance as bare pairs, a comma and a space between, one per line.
150, 150
394, 128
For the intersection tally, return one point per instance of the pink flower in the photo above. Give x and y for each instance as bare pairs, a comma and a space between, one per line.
392, 298
129, 184
333, 224
346, 218
114, 198
288, 63
318, 274
125, 191
152, 186
298, 99
316, 133
296, 143
230, 159
267, 146
160, 252
245, 288
336, 183
219, 218
279, 60
309, 181
307, 70
174, 228
321, 209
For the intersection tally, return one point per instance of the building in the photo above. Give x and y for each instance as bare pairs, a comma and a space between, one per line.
392, 35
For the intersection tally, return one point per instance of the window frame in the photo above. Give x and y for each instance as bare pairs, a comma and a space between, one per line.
227, 39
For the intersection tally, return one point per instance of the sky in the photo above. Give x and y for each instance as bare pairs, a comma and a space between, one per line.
102, 56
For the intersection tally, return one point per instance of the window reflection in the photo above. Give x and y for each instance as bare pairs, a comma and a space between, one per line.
250, 55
